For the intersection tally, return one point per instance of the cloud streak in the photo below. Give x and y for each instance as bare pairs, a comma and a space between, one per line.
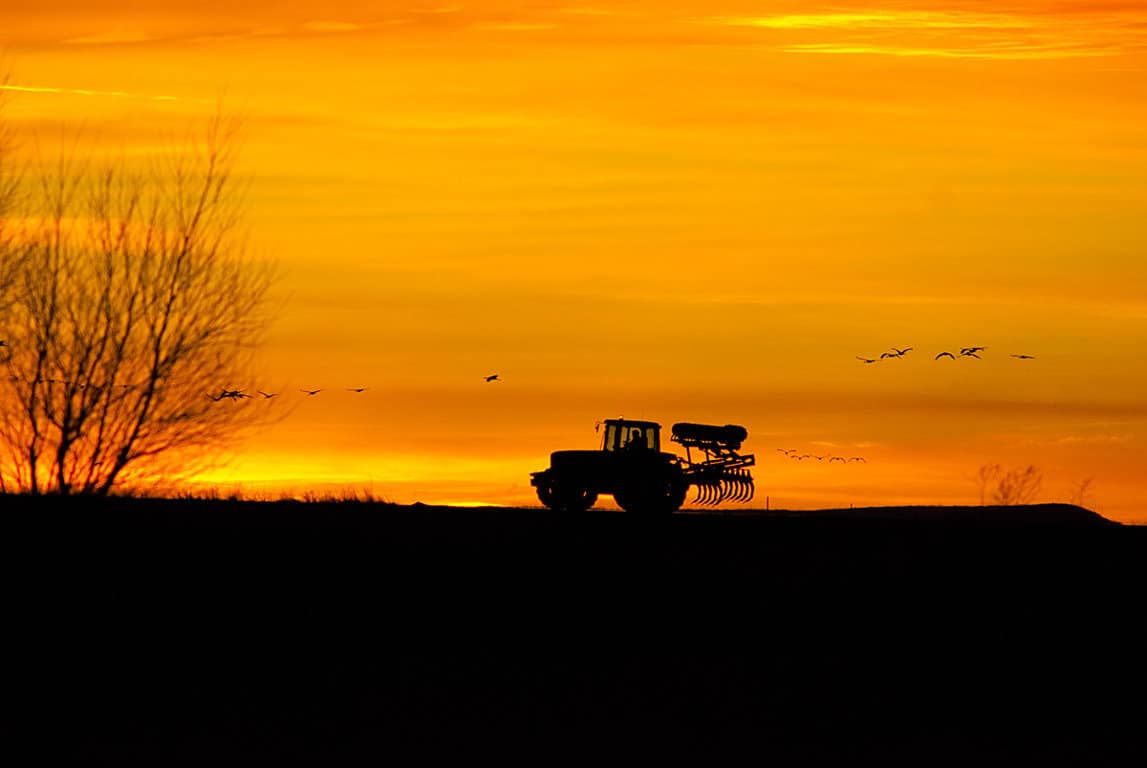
1016, 53
331, 26
110, 38
1007, 34
43, 89
879, 20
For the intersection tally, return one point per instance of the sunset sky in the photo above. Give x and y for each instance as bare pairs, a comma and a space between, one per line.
675, 211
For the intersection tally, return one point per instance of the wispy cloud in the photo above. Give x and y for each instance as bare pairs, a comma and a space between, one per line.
879, 20
589, 11
514, 26
438, 10
1092, 439
1017, 52
1007, 33
111, 38
85, 92
331, 26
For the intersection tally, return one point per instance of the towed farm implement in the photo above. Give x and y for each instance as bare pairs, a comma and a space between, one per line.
632, 468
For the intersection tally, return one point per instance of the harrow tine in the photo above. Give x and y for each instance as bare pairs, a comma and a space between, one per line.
734, 485
728, 485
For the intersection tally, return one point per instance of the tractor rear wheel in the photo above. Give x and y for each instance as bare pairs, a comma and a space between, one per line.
660, 497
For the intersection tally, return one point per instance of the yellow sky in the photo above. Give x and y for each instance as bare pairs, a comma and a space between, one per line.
681, 211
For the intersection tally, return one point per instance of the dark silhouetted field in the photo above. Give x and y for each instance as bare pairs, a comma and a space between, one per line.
204, 633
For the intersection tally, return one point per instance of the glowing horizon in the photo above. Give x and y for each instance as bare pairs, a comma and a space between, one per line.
681, 211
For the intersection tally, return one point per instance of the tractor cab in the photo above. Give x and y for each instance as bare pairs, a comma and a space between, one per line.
622, 435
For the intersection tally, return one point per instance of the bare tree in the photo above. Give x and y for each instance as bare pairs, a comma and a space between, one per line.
1018, 486
1079, 491
986, 475
9, 253
133, 308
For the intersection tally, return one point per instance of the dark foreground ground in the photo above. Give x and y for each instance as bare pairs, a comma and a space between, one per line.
208, 633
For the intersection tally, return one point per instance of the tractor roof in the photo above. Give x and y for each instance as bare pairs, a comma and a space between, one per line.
633, 423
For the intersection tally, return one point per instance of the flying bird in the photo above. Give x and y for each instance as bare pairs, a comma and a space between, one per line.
971, 354
857, 458
841, 459
971, 350
310, 391
356, 389
944, 354
1024, 357
267, 395
865, 359
901, 352
492, 377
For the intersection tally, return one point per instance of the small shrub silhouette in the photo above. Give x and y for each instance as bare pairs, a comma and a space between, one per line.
1018, 486
984, 478
1012, 487
1079, 492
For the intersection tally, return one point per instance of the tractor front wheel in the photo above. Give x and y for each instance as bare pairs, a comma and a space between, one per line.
565, 498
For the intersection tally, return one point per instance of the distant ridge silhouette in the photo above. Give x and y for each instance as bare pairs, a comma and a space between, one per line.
1023, 513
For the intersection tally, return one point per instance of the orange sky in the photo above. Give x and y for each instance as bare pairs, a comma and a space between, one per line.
680, 211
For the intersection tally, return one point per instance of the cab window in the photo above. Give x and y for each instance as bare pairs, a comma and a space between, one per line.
610, 443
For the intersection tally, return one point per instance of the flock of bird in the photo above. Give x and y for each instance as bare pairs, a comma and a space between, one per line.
238, 394
66, 382
964, 352
796, 455
224, 394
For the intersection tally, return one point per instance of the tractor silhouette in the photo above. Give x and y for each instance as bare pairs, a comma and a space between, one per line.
641, 477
